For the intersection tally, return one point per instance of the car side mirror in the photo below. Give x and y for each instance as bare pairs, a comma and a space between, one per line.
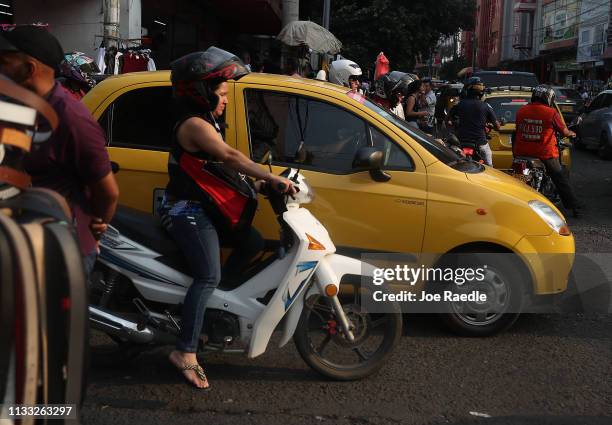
371, 159
115, 167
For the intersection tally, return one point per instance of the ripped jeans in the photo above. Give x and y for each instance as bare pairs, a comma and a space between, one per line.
200, 242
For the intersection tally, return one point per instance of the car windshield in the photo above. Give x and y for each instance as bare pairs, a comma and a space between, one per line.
507, 79
506, 107
568, 94
435, 148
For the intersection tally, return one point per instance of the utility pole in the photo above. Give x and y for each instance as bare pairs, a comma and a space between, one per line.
326, 13
291, 11
111, 22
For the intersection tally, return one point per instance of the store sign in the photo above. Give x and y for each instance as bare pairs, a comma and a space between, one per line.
566, 66
559, 21
522, 6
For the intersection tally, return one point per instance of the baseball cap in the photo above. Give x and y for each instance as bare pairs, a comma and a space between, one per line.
33, 41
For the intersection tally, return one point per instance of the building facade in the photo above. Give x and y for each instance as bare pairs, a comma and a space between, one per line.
172, 28
592, 38
562, 41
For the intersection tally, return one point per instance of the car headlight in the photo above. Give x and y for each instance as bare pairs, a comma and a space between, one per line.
551, 217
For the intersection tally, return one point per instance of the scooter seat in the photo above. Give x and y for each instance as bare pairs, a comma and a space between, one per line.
531, 160
144, 229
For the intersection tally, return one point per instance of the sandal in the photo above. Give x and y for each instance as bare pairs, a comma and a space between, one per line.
200, 372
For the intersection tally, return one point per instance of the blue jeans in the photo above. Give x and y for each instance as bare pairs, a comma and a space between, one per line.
89, 262
200, 242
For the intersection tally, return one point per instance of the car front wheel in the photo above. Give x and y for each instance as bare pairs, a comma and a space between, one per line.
504, 288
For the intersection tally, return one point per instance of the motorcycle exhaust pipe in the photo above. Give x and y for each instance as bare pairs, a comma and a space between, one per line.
115, 325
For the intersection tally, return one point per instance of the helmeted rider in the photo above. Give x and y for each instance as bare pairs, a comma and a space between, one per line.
536, 126
346, 73
71, 77
470, 117
208, 202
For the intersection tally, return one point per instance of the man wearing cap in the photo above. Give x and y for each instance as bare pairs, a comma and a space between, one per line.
73, 159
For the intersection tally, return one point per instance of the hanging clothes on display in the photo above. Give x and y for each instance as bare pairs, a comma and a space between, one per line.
100, 58
118, 63
134, 62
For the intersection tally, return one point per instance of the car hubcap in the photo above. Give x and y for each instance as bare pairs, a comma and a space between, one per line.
481, 313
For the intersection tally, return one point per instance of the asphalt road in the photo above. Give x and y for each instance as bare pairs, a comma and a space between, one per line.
547, 369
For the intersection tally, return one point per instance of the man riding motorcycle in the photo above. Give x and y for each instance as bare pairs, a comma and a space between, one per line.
471, 116
536, 126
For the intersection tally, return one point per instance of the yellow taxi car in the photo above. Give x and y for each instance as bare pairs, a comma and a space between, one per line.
423, 201
506, 102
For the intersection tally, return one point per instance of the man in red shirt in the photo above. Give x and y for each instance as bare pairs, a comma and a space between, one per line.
536, 126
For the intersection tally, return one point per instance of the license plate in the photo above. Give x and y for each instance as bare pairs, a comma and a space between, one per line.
567, 108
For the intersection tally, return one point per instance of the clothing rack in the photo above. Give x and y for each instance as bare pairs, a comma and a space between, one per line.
123, 41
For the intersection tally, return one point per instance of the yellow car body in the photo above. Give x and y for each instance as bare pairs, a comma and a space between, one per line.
429, 207
505, 103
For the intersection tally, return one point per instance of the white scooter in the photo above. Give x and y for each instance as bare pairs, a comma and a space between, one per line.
140, 282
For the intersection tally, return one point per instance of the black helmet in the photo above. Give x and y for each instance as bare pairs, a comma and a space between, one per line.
195, 75
543, 94
474, 87
392, 83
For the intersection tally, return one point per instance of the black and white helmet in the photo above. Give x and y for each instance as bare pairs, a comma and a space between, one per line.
194, 75
543, 94
340, 71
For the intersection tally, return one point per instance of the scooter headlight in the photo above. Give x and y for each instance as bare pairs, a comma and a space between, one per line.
551, 217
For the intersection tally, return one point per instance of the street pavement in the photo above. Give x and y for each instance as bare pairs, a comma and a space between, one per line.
547, 369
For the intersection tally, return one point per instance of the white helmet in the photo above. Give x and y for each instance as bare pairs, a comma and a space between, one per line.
341, 70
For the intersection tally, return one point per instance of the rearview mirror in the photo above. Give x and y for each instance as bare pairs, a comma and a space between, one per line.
300, 154
266, 158
371, 159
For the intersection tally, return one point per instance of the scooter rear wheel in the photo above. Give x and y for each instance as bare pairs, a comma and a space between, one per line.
324, 347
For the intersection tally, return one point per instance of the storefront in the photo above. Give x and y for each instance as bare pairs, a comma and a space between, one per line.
566, 72
240, 26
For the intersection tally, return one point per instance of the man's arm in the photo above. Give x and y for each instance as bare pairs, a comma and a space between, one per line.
491, 117
560, 126
104, 197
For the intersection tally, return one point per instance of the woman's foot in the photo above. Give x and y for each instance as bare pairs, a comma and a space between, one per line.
188, 364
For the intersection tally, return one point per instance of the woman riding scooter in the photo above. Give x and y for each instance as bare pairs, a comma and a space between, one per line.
207, 201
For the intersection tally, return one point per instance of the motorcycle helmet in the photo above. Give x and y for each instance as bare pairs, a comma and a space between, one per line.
74, 74
543, 94
474, 87
340, 71
194, 76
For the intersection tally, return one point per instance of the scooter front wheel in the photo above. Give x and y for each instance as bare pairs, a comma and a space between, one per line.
323, 345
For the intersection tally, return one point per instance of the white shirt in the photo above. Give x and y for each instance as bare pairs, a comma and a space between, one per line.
430, 98
399, 111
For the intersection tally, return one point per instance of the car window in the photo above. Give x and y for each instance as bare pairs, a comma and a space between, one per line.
395, 157
142, 118
279, 122
507, 107
597, 103
440, 151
